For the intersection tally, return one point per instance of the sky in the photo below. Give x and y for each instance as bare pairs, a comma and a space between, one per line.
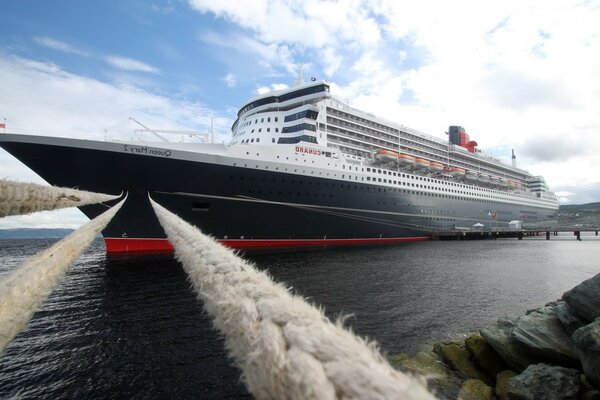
521, 75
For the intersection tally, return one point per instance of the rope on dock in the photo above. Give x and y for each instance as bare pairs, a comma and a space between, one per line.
286, 348
24, 289
18, 198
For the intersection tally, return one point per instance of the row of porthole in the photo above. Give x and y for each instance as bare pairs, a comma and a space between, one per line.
420, 178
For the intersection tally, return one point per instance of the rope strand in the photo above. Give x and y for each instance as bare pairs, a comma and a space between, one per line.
25, 288
18, 198
286, 348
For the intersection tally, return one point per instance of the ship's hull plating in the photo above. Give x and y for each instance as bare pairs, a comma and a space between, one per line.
246, 207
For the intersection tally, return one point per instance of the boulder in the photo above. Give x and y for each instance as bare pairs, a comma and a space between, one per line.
570, 321
485, 356
544, 335
474, 389
587, 345
590, 395
457, 357
440, 378
541, 381
587, 391
501, 382
499, 336
584, 299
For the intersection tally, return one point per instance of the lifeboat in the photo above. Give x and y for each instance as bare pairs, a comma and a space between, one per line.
386, 155
455, 171
494, 180
503, 182
471, 175
484, 177
405, 159
436, 166
422, 163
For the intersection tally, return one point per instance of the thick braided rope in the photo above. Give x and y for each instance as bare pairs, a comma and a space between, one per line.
25, 288
18, 198
286, 348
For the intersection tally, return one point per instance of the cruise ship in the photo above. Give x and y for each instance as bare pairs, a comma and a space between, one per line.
302, 168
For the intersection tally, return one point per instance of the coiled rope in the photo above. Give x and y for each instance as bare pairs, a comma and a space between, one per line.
286, 348
18, 198
24, 289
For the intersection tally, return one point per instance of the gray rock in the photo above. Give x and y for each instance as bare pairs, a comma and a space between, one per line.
541, 381
548, 309
544, 335
570, 321
584, 298
587, 391
499, 336
587, 344
590, 395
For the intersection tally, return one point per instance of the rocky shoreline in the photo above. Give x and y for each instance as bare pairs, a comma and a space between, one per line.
552, 352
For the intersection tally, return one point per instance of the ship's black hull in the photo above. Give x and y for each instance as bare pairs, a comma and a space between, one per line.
242, 207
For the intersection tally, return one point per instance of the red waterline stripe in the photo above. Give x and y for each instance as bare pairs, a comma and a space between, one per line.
126, 245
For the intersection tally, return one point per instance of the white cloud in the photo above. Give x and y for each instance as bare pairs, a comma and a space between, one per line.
129, 64
270, 88
43, 99
58, 45
229, 80
515, 74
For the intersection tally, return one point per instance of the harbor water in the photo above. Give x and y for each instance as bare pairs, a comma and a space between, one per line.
131, 327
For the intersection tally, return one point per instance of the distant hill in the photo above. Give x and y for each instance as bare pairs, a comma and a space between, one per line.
33, 233
589, 207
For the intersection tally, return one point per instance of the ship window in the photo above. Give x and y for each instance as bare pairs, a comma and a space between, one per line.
273, 140
276, 129
256, 121
200, 207
269, 119
298, 139
252, 131
262, 120
252, 140
259, 130
268, 129
299, 127
257, 140
276, 119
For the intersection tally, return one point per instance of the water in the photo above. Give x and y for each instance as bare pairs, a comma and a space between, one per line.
131, 327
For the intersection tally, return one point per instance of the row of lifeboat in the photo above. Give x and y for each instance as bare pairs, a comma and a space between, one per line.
434, 166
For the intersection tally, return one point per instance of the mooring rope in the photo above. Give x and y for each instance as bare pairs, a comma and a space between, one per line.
18, 198
286, 348
24, 289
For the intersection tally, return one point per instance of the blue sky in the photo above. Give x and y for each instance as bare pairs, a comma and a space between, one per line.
516, 74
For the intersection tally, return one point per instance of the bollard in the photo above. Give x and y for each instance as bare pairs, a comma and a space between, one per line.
547, 235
